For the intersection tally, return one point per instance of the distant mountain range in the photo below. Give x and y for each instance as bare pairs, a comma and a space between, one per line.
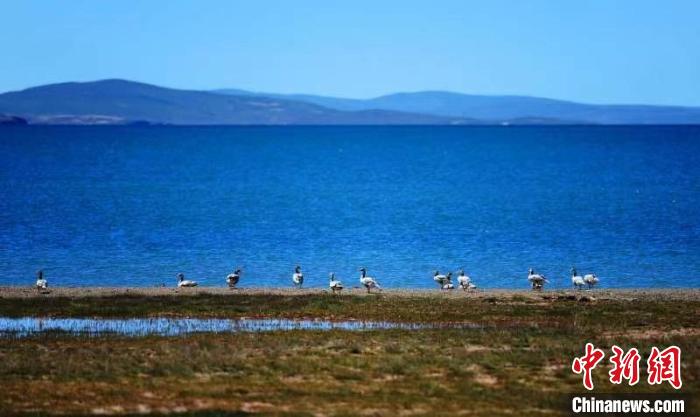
125, 102
120, 101
497, 109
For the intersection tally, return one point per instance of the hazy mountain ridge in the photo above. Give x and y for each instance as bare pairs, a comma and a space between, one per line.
499, 109
125, 101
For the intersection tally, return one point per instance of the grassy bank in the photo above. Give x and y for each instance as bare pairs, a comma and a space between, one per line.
518, 365
550, 309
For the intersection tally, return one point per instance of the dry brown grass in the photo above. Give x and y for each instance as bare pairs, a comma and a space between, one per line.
518, 365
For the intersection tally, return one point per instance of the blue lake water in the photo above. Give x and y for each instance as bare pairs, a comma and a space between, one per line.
133, 206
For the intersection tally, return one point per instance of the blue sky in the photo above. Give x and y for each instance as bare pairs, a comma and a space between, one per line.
599, 51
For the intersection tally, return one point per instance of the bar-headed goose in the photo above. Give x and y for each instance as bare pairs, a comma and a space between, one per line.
591, 280
233, 278
182, 282
41, 283
368, 282
576, 279
448, 285
298, 277
334, 284
440, 279
464, 281
536, 280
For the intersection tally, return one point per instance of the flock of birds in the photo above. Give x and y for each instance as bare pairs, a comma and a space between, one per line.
537, 281
445, 281
334, 284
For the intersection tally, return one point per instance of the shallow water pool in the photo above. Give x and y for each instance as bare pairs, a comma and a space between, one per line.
26, 326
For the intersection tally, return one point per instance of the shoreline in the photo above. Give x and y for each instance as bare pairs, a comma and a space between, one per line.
14, 292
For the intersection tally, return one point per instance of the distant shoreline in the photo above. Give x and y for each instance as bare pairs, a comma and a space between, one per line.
398, 126
600, 293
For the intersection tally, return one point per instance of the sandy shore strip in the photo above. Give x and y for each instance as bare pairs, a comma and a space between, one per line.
689, 294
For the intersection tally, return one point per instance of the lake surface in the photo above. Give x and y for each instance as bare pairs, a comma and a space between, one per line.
133, 206
27, 326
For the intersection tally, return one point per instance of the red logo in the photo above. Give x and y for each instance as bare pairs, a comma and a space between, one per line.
665, 366
586, 363
662, 366
624, 366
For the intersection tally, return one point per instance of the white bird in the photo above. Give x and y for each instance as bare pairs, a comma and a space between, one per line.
439, 278
233, 278
464, 281
536, 280
591, 280
182, 282
576, 279
41, 282
368, 282
334, 284
448, 285
298, 277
